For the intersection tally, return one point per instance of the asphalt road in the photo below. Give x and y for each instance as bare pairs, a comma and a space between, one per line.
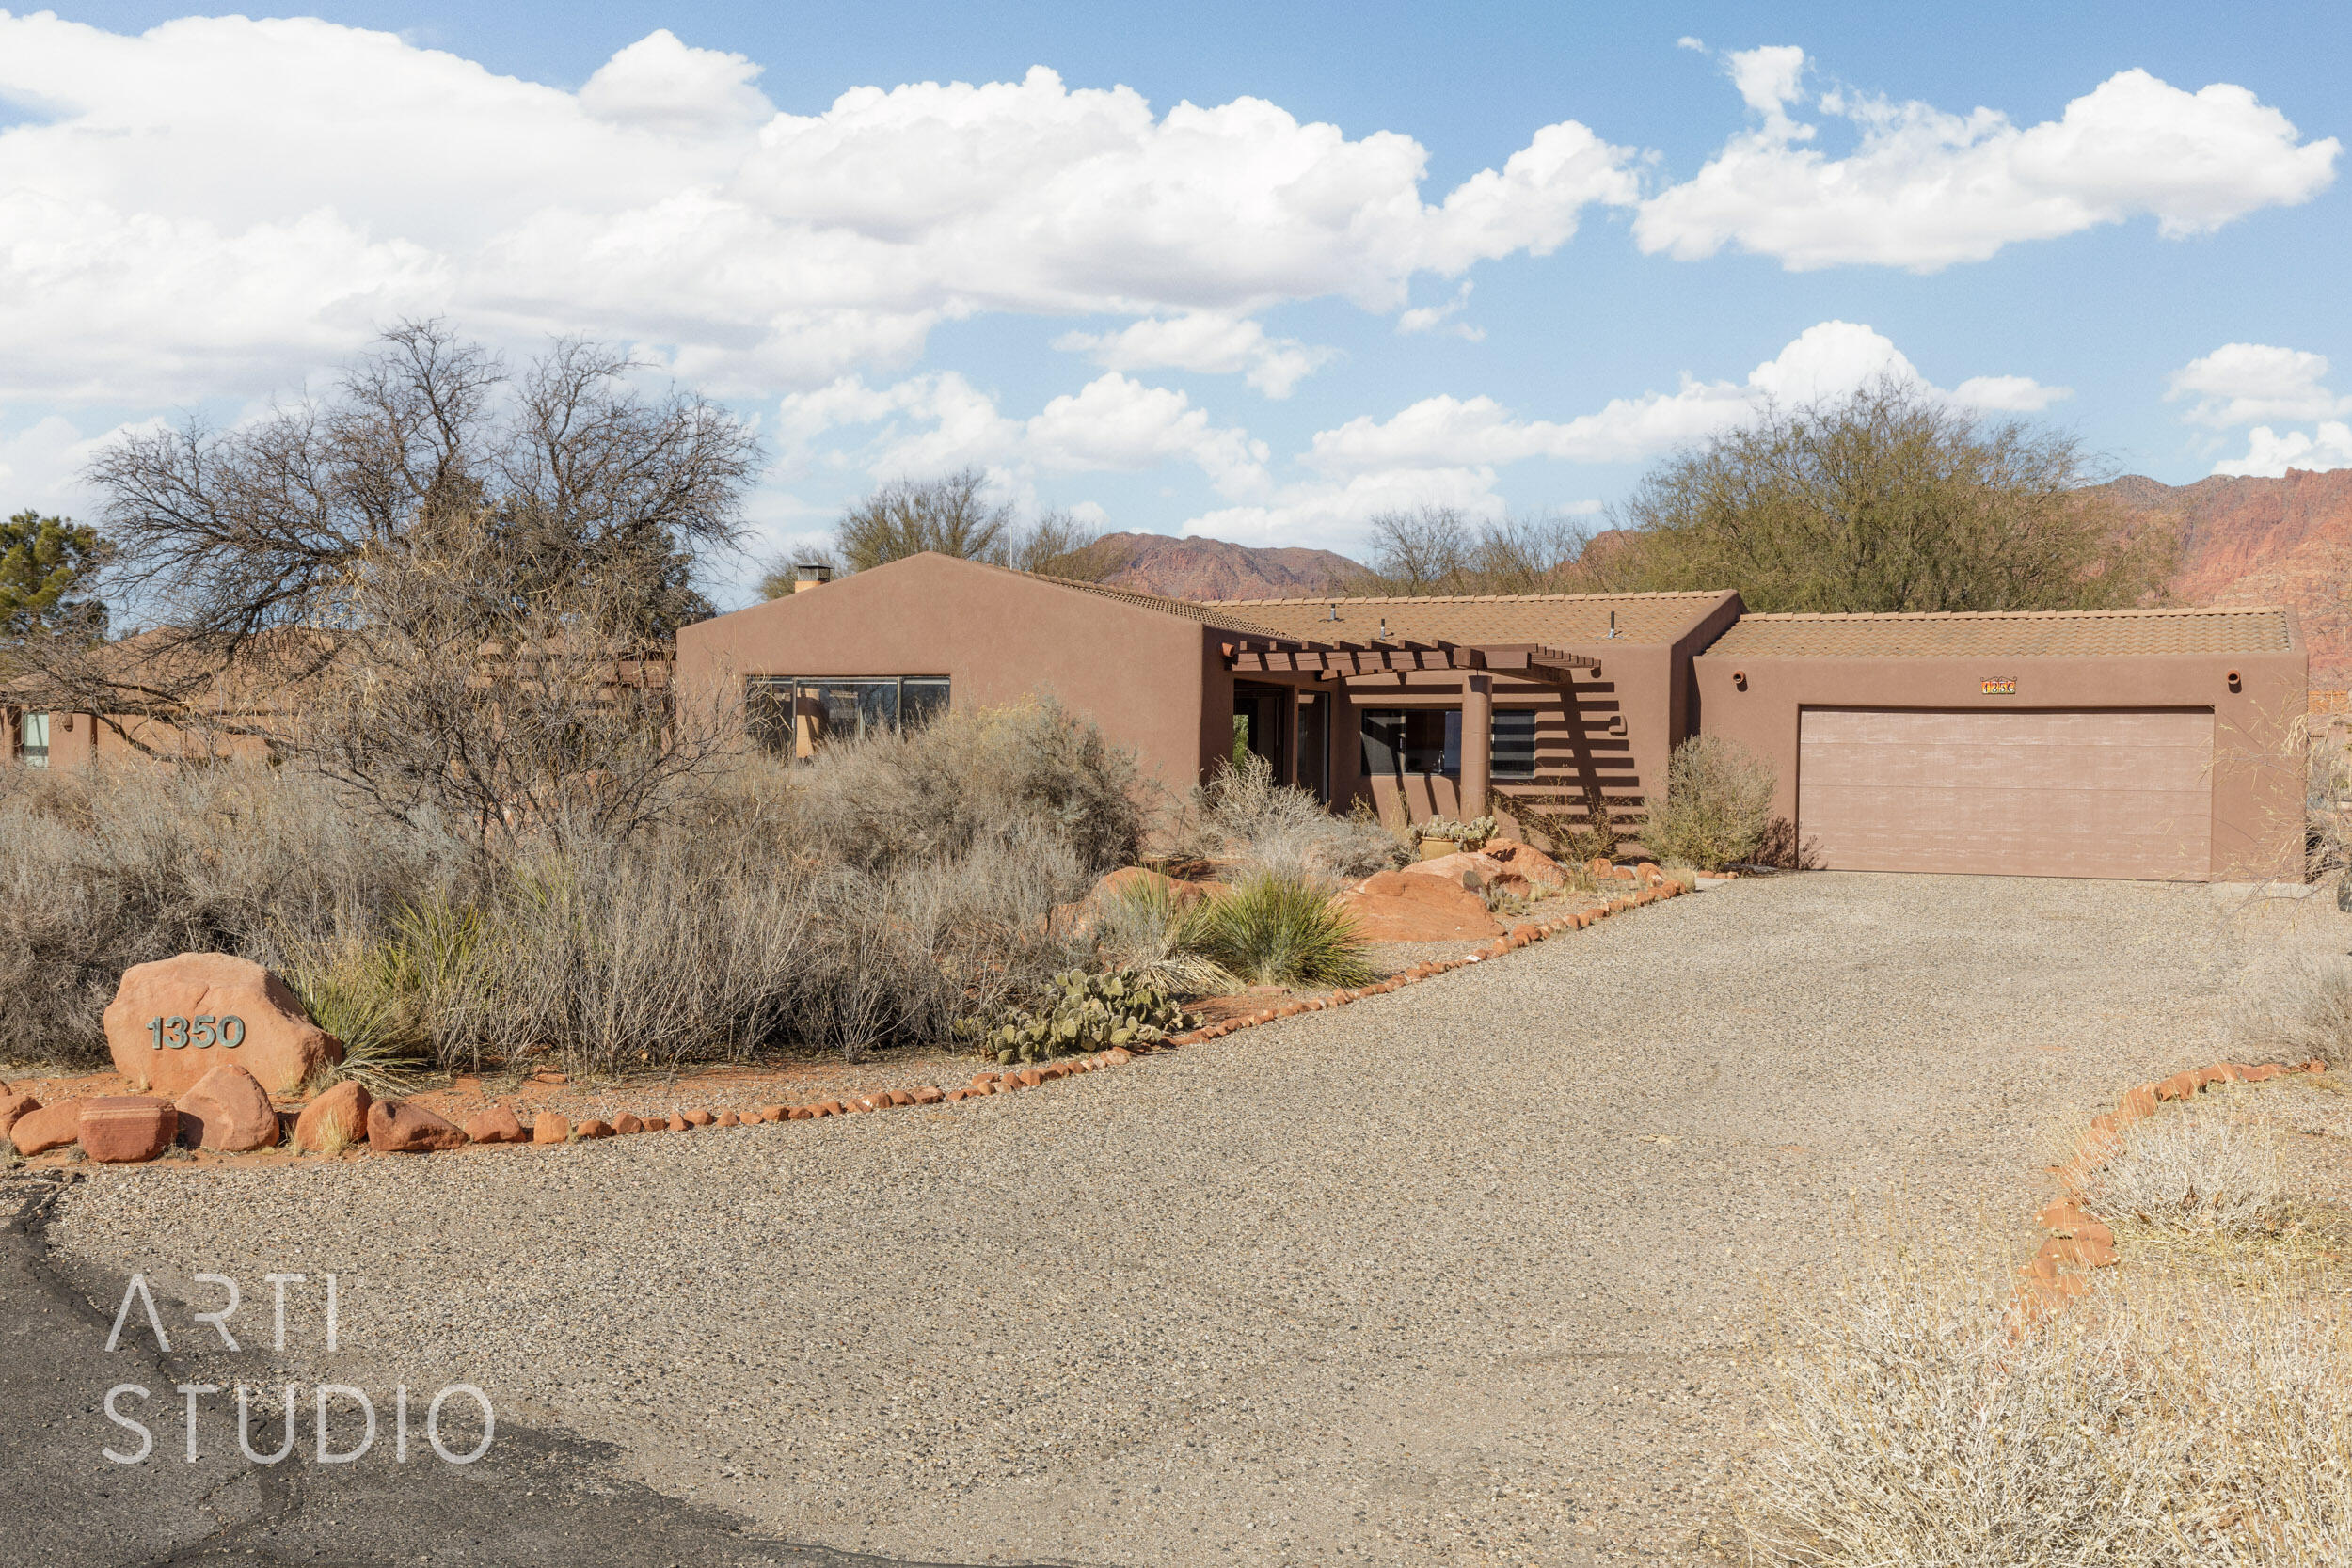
532, 1498
1467, 1275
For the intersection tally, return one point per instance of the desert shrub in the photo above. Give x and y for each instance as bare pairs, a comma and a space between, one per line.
1916, 1423
2307, 1012
869, 899
1273, 929
974, 775
1079, 1012
107, 868
1245, 821
2190, 1167
1146, 930
1718, 805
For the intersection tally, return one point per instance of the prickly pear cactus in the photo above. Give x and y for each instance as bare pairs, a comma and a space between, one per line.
1081, 1012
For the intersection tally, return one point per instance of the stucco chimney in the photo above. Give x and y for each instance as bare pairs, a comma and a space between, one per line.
810, 574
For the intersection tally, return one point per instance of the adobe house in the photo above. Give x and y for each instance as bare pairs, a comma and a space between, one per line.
1422, 707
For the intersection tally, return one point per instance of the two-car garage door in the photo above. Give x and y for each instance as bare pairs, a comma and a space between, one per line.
2064, 793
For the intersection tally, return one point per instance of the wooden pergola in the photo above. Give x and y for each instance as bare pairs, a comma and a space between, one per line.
1401, 656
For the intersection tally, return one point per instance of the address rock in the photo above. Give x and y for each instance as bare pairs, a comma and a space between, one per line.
227, 1111
175, 1020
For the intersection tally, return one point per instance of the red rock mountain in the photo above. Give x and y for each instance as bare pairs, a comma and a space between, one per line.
2265, 541
1197, 568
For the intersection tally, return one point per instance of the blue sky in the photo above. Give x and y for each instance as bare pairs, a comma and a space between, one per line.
1252, 271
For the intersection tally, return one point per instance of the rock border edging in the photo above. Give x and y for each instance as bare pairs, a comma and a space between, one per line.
2079, 1239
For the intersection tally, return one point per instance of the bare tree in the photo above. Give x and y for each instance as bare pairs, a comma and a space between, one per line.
953, 515
1438, 551
395, 549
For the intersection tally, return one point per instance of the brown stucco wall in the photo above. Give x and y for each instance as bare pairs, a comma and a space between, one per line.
2257, 759
997, 636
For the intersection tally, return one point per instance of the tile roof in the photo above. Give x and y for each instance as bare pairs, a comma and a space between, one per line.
2014, 634
1208, 614
1555, 620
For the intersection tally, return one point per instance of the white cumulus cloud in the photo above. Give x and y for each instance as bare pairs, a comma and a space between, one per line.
2271, 454
2245, 383
1825, 360
932, 424
1924, 188
1205, 342
219, 204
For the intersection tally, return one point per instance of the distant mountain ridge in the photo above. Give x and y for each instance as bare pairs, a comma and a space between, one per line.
1196, 568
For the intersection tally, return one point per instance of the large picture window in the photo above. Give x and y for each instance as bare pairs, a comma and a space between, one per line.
1412, 741
35, 751
794, 715
1397, 741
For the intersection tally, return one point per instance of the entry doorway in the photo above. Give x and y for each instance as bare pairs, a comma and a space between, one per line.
1314, 745
1261, 722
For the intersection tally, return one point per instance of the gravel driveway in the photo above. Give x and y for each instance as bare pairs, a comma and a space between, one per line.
1458, 1275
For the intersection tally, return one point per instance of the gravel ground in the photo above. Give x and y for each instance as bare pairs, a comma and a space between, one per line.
1462, 1274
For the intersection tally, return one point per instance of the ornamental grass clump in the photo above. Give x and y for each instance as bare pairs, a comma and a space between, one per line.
1246, 821
1149, 928
1273, 929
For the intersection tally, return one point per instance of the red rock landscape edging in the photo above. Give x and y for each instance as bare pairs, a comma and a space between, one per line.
348, 1114
2077, 1241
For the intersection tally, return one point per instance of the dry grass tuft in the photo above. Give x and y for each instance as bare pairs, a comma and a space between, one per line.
2308, 1012
2190, 1167
1243, 819
2155, 1423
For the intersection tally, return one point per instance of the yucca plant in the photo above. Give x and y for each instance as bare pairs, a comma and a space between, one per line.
1271, 930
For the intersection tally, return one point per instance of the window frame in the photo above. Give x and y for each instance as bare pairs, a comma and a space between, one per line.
938, 690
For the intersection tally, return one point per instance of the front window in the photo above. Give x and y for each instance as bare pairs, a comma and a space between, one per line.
36, 747
1406, 740
1412, 741
1515, 743
792, 716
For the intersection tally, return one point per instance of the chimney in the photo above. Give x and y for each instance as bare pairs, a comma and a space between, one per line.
810, 574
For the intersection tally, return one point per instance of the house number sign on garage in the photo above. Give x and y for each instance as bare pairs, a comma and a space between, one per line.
2000, 686
227, 1032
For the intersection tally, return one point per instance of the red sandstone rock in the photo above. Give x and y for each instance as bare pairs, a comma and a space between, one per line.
338, 1116
550, 1127
625, 1124
397, 1127
677, 1123
1118, 1054
727, 1118
496, 1125
50, 1127
594, 1128
1464, 870
771, 1113
122, 1129
227, 1110
12, 1106
698, 1119
277, 1043
1396, 905
2179, 1086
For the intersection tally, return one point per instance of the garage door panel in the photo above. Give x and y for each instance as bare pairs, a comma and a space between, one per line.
2073, 793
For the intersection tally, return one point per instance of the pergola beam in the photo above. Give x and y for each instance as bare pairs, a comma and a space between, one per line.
1283, 657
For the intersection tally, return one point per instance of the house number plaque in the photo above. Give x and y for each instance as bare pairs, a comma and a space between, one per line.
227, 1032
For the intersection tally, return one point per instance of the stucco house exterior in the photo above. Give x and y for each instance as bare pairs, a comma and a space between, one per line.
2160, 743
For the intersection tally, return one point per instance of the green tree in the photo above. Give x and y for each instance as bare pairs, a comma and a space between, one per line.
47, 566
1888, 500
